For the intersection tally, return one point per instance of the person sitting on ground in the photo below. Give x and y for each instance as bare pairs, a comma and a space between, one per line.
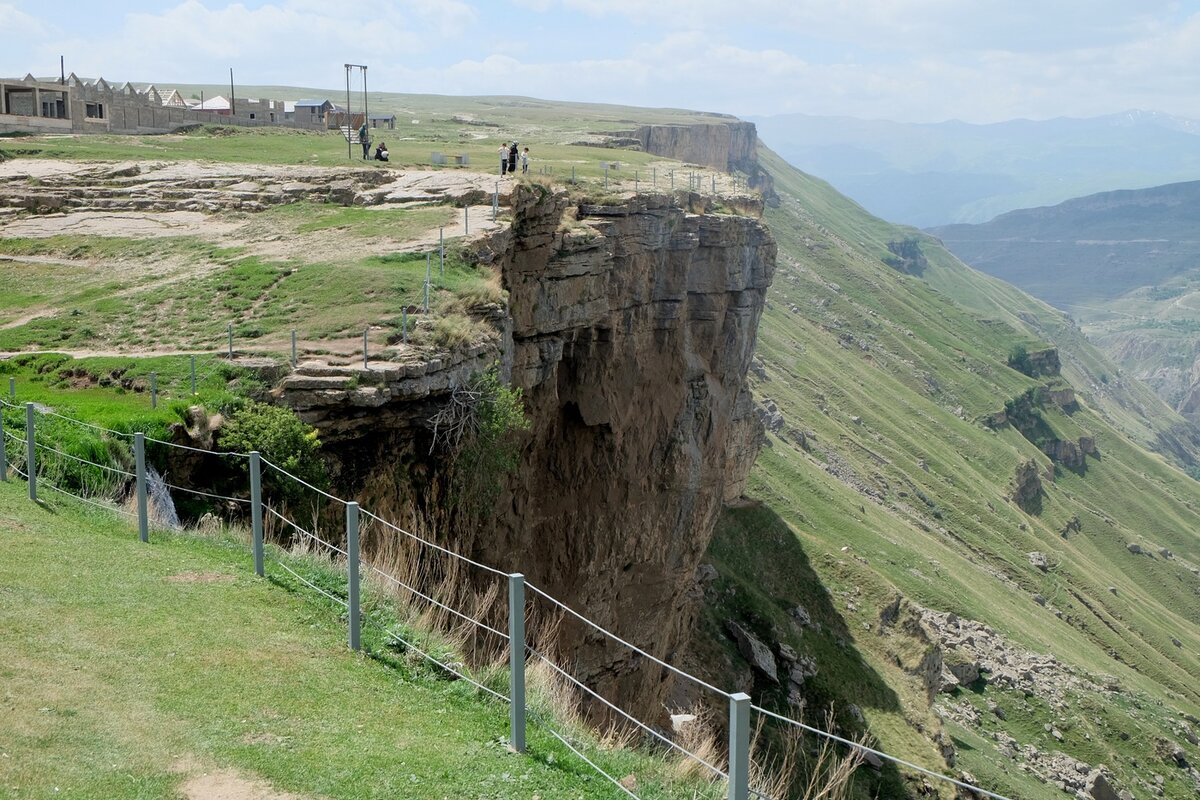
381, 152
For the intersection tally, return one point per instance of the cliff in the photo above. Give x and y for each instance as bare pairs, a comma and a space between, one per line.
727, 146
630, 329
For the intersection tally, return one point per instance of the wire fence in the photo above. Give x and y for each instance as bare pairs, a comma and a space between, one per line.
347, 555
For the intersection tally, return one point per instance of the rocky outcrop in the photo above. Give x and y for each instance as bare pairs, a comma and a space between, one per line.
1036, 363
630, 329
632, 334
1027, 487
729, 146
721, 145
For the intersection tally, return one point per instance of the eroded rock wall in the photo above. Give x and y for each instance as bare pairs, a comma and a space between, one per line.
723, 145
630, 329
632, 334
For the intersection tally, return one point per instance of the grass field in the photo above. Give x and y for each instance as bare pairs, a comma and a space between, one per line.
132, 671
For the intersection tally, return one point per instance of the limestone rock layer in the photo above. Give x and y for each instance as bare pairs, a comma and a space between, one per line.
632, 334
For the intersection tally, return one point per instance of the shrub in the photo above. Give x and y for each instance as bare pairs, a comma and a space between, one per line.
479, 431
282, 439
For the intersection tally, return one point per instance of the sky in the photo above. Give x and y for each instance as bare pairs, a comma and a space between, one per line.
907, 60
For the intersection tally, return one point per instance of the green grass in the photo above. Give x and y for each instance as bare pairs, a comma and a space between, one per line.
61, 307
396, 224
902, 490
129, 667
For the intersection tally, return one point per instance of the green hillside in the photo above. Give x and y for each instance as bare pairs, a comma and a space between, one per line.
888, 475
1125, 264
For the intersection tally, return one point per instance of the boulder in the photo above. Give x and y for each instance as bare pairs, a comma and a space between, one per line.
1136, 549
1039, 560
757, 654
1098, 787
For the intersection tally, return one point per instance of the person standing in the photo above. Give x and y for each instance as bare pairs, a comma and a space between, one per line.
512, 158
503, 158
364, 138
525, 161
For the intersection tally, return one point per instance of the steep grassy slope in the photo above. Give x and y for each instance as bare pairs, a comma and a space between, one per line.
1123, 263
888, 474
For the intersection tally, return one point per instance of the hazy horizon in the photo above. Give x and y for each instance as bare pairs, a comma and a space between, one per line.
910, 61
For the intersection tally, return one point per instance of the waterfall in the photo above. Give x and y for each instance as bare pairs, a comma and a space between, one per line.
161, 507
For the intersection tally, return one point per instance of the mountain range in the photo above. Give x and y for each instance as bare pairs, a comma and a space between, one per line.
928, 174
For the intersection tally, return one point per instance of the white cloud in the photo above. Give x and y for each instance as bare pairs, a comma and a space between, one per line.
904, 59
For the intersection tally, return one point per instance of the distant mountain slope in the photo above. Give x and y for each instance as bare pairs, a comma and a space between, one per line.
912, 471
940, 173
1125, 263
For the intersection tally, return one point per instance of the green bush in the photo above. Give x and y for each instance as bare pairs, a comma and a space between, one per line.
478, 430
282, 439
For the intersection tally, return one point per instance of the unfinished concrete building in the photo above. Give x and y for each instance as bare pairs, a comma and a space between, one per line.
78, 106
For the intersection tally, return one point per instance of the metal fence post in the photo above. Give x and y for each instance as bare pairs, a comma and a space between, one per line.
606, 177
466, 220
12, 388
365, 332
404, 324
352, 569
637, 184
293, 349
739, 746
441, 252
193, 374
428, 278
30, 454
231, 340
139, 459
3, 454
516, 661
256, 519
154, 390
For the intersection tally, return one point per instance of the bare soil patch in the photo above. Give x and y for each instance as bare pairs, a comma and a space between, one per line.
227, 784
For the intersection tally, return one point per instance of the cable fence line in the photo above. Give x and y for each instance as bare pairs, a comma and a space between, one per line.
201, 493
177, 446
624, 714
397, 582
47, 448
579, 754
391, 634
740, 706
600, 629
302, 482
435, 546
310, 584
855, 746
307, 534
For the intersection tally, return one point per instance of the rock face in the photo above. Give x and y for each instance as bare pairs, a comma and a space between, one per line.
724, 145
730, 146
632, 336
1027, 488
630, 331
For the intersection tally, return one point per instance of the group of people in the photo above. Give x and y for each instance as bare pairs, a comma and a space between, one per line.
508, 158
364, 138
509, 153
